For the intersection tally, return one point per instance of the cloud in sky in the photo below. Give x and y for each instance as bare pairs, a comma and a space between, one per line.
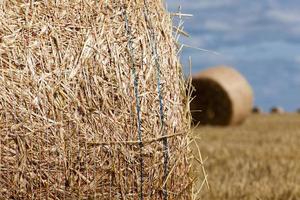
260, 38
284, 16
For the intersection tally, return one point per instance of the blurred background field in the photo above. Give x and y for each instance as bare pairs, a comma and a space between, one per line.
259, 160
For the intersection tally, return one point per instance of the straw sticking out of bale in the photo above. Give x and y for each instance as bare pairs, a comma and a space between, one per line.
81, 116
276, 110
222, 96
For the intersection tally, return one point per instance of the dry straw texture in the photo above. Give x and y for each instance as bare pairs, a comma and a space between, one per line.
222, 96
76, 78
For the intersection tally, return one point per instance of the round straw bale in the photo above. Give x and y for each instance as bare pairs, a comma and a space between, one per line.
277, 110
256, 110
92, 103
222, 96
298, 110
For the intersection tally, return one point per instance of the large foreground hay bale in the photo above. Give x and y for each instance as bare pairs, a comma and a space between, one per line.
222, 96
92, 102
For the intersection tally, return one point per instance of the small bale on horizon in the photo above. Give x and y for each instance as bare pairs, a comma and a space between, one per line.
257, 110
277, 110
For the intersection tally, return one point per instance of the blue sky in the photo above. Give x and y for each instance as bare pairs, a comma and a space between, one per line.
260, 38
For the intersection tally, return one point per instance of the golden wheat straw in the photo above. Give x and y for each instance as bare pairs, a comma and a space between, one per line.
66, 83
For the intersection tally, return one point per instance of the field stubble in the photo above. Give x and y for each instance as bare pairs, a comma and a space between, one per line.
258, 160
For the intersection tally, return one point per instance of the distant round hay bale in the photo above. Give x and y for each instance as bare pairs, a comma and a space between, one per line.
298, 110
277, 110
222, 96
256, 110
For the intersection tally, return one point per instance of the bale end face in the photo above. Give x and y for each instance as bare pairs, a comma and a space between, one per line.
210, 104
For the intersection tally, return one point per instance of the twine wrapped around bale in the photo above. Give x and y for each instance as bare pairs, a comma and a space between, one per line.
92, 103
222, 96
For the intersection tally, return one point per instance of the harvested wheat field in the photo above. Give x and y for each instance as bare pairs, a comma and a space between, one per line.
259, 160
